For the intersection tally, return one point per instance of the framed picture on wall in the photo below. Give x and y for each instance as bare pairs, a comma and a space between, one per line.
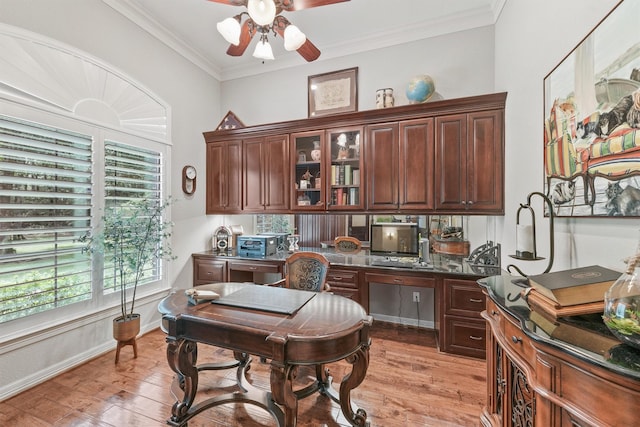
592, 121
334, 92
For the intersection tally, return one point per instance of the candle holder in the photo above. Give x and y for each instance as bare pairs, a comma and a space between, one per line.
526, 236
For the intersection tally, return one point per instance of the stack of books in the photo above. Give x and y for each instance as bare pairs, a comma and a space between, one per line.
570, 292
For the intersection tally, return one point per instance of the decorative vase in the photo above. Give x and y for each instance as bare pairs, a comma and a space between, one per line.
622, 305
316, 153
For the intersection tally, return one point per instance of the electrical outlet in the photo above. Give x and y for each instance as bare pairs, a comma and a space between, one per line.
416, 297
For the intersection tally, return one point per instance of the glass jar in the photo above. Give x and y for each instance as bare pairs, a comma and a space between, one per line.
622, 304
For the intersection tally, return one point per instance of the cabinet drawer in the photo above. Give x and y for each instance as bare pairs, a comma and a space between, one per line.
255, 267
342, 278
463, 298
519, 343
397, 279
465, 336
209, 271
352, 294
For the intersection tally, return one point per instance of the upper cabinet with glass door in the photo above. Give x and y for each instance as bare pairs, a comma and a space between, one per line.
308, 167
344, 172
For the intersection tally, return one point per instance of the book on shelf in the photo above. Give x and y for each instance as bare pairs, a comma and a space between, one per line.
355, 178
333, 174
339, 197
540, 303
353, 199
576, 286
347, 174
562, 330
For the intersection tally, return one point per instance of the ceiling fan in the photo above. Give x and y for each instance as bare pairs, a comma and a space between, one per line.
262, 17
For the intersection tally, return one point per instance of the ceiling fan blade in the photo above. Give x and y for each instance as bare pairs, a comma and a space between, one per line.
309, 51
245, 38
291, 5
231, 2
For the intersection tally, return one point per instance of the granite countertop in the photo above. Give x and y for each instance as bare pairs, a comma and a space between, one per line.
585, 337
439, 263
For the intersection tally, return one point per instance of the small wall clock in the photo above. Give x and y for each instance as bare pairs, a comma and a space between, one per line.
189, 175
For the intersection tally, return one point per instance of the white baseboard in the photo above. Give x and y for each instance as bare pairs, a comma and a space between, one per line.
426, 324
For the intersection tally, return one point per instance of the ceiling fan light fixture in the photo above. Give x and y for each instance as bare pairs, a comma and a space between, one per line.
293, 38
262, 12
263, 49
230, 30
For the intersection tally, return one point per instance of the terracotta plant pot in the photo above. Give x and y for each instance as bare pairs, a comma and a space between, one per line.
125, 329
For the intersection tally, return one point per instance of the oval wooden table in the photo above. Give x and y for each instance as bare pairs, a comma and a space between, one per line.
326, 328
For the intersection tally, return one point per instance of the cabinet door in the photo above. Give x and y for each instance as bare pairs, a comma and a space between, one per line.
451, 162
416, 165
252, 166
307, 169
276, 170
382, 166
224, 177
345, 170
485, 162
470, 162
266, 174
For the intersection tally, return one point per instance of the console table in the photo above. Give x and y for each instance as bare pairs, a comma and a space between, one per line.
325, 329
543, 373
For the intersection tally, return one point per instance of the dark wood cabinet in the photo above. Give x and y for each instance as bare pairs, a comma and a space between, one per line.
465, 329
469, 162
442, 157
265, 168
224, 177
400, 158
531, 383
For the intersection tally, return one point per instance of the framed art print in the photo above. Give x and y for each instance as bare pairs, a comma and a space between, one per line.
332, 93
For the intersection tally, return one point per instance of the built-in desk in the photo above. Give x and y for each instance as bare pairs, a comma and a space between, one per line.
545, 373
458, 298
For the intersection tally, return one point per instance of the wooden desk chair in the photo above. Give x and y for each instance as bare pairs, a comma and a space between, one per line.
306, 271
347, 244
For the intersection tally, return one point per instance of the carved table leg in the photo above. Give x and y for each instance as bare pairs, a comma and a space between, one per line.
182, 355
282, 391
360, 362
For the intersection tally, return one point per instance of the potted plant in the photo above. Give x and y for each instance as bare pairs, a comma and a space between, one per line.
131, 237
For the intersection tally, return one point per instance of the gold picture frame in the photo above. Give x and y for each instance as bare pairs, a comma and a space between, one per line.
333, 93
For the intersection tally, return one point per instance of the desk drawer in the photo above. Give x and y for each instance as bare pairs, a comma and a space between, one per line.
396, 279
342, 278
255, 266
463, 298
466, 337
208, 271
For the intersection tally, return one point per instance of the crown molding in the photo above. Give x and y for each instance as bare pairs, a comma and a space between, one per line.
142, 19
474, 18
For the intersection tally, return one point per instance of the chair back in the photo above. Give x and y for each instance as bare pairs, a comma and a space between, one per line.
347, 244
307, 271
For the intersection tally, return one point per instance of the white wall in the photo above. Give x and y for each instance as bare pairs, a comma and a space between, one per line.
460, 63
532, 37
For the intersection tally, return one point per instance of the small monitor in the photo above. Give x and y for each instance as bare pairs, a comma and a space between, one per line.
394, 238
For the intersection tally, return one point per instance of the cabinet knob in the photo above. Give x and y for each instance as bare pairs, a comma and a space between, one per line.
397, 280
464, 202
475, 338
476, 300
516, 340
470, 202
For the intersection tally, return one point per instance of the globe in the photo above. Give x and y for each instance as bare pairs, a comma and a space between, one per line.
420, 89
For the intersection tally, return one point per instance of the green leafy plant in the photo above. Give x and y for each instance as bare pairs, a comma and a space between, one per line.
132, 237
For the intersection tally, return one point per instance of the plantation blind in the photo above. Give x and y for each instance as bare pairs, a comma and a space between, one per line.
131, 173
45, 206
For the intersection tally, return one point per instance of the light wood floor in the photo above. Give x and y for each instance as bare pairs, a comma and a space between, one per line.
409, 383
